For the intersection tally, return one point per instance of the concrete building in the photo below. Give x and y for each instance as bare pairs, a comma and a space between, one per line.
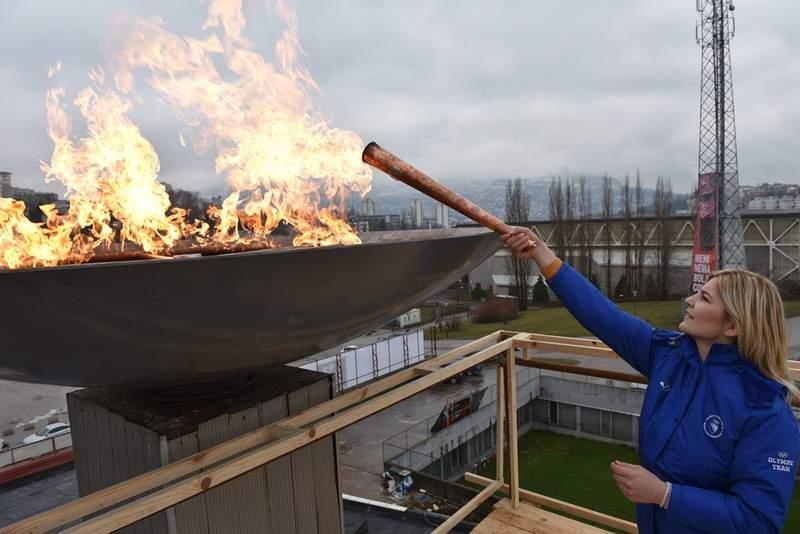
5, 184
442, 216
786, 202
367, 207
416, 213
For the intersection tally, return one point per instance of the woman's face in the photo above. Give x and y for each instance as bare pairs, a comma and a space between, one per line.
706, 317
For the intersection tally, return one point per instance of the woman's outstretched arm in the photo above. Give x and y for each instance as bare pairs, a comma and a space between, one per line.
628, 336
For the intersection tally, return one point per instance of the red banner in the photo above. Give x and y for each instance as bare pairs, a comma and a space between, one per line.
706, 238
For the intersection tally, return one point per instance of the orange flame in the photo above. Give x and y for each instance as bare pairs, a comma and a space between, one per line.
281, 158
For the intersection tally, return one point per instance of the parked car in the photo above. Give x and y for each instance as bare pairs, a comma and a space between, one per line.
50, 431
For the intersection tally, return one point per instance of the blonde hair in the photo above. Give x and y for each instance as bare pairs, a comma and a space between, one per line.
754, 304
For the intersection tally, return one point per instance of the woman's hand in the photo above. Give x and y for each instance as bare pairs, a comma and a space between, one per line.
637, 483
521, 241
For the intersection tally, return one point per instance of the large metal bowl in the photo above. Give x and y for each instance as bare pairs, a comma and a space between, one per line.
194, 319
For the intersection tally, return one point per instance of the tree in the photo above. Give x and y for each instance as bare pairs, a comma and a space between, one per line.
620, 290
639, 249
585, 207
627, 208
518, 205
540, 294
569, 216
608, 207
662, 206
557, 215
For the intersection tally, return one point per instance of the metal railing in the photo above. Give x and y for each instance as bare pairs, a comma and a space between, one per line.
33, 450
402, 447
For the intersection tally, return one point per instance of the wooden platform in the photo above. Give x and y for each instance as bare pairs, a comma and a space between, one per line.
529, 518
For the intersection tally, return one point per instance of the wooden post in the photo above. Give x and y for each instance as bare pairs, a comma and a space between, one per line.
499, 442
511, 409
468, 508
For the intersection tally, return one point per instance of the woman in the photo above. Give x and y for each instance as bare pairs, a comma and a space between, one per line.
718, 442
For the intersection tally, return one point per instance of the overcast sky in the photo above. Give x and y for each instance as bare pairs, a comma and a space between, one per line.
460, 89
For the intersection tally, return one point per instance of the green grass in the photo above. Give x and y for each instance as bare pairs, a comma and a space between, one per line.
577, 471
558, 321
791, 308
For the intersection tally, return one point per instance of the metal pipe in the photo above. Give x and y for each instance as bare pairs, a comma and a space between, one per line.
383, 160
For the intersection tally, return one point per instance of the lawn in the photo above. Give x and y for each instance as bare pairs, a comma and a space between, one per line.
577, 470
558, 321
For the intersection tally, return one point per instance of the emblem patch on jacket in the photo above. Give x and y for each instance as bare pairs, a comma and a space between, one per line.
782, 462
713, 426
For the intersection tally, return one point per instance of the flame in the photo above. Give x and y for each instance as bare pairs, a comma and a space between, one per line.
281, 158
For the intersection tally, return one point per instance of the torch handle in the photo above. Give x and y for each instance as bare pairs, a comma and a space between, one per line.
398, 169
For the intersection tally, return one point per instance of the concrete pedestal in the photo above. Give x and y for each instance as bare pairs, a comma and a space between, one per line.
118, 433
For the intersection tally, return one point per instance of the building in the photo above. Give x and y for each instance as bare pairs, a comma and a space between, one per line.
367, 206
416, 213
5, 184
442, 216
375, 223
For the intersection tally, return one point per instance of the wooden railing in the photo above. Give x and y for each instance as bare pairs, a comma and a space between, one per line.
167, 486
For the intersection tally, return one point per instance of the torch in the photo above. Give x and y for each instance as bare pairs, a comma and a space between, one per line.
382, 159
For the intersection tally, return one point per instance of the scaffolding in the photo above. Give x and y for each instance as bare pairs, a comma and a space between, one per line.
127, 502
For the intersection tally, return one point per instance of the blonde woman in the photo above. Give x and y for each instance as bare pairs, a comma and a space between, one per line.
718, 442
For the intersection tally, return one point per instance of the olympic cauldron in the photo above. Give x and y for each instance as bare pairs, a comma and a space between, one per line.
200, 319
197, 319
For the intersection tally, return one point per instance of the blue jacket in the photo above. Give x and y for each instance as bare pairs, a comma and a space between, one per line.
719, 431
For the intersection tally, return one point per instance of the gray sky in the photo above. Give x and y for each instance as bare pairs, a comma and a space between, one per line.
460, 89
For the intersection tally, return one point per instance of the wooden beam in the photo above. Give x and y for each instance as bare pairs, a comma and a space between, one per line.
530, 518
542, 363
561, 506
468, 508
568, 340
549, 346
500, 424
112, 495
145, 506
511, 416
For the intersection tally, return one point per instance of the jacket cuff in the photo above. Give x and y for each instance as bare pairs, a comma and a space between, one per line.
680, 505
552, 269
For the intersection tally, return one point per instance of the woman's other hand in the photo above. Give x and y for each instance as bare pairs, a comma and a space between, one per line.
637, 483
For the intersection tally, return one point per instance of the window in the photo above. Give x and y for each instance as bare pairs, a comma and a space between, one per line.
621, 427
606, 429
591, 421
541, 411
567, 416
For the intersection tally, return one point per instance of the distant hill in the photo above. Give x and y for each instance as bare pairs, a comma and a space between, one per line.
391, 196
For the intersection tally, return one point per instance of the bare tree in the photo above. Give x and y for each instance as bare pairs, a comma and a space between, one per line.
557, 215
569, 220
640, 236
518, 205
662, 204
584, 206
627, 209
608, 206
